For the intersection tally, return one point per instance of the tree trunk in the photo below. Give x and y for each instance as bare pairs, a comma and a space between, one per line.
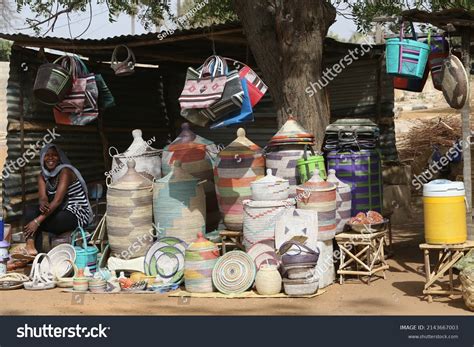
286, 39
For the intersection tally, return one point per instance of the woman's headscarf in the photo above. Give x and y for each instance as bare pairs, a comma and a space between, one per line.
64, 162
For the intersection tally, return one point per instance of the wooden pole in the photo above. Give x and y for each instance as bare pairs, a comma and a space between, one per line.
466, 130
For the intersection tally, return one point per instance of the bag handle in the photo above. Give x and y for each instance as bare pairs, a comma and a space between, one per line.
130, 55
83, 234
218, 65
82, 66
301, 247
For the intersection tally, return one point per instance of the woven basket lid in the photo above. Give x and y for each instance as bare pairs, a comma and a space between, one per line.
177, 174
333, 179
186, 135
291, 130
241, 143
454, 82
138, 146
316, 183
269, 179
201, 244
132, 179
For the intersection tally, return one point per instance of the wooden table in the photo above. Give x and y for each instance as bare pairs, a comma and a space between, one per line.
231, 238
448, 255
365, 252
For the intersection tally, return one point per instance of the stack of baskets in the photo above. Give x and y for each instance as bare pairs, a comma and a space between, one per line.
269, 202
343, 201
197, 156
237, 166
288, 146
320, 196
299, 262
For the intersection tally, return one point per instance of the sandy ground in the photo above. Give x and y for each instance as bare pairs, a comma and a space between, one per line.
399, 294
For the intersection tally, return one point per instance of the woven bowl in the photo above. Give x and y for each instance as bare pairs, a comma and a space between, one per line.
368, 228
301, 287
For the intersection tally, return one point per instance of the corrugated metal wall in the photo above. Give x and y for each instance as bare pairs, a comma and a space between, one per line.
139, 102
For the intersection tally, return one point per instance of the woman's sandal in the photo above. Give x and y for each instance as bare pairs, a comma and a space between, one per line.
22, 254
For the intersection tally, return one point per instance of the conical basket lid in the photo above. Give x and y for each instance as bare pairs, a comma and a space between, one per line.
269, 178
185, 136
291, 131
316, 183
138, 146
241, 141
177, 174
201, 244
132, 179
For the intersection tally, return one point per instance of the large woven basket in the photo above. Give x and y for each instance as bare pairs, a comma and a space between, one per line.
343, 201
179, 205
147, 159
129, 214
319, 196
467, 279
282, 161
237, 166
197, 156
260, 218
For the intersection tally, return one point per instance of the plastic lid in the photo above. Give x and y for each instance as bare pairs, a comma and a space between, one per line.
4, 244
444, 187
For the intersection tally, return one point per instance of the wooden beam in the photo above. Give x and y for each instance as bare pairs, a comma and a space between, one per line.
466, 129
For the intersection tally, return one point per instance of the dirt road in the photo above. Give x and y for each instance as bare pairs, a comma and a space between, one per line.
399, 294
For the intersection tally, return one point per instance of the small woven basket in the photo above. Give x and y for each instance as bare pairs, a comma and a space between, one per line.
467, 279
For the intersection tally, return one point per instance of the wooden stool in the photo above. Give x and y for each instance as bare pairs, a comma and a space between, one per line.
365, 251
448, 255
231, 238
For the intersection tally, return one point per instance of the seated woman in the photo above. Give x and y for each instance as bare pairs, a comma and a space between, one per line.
63, 200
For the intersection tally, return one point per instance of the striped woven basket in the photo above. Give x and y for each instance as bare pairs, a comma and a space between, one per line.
179, 205
200, 258
260, 218
129, 213
238, 165
234, 273
325, 268
282, 161
319, 196
197, 156
343, 201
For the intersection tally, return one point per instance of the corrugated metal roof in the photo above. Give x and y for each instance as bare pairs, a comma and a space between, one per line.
187, 46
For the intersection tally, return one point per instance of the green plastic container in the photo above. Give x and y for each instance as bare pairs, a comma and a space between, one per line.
309, 163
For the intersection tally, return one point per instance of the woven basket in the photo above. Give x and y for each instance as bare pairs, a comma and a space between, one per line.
325, 269
270, 188
237, 166
147, 159
467, 279
282, 161
200, 258
234, 273
129, 214
343, 201
268, 280
260, 218
197, 156
320, 196
363, 172
179, 205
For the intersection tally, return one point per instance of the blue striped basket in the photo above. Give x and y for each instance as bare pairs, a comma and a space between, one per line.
405, 57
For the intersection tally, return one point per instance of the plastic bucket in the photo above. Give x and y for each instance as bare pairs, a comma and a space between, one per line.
406, 58
444, 212
52, 83
307, 166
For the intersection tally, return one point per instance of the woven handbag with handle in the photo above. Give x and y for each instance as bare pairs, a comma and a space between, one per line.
126, 67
